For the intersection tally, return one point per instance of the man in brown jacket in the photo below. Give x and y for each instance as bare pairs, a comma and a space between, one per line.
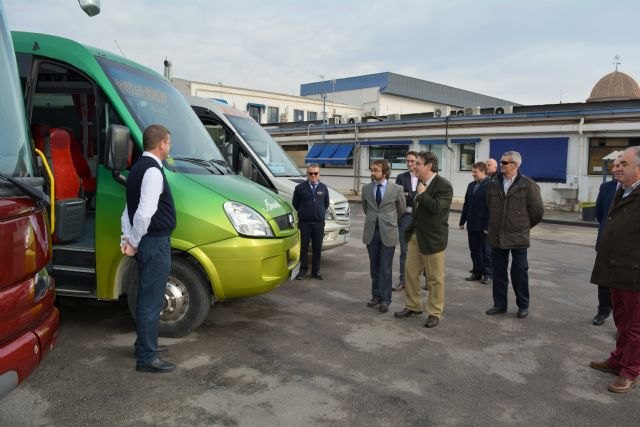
515, 207
618, 267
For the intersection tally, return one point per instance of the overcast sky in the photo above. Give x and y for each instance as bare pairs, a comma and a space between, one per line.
530, 52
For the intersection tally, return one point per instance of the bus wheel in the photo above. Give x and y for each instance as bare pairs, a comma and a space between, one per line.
187, 300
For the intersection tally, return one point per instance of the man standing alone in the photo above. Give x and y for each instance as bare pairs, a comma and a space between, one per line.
408, 181
617, 266
383, 203
311, 200
148, 219
515, 207
428, 236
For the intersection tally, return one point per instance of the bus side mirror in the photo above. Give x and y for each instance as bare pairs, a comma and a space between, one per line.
117, 151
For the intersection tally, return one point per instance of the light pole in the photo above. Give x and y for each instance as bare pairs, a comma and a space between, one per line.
324, 115
308, 129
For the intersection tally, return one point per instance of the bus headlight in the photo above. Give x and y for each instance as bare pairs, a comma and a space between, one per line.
247, 221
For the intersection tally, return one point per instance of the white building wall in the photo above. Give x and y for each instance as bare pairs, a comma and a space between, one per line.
392, 104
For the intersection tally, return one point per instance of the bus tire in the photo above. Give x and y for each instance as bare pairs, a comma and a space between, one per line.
187, 299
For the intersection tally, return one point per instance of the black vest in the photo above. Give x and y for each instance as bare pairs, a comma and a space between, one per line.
164, 220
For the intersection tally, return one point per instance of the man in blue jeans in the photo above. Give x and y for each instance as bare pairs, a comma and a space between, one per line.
515, 207
148, 219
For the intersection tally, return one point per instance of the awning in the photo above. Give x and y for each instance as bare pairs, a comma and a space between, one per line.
224, 101
465, 140
543, 159
341, 156
261, 106
388, 142
432, 142
313, 153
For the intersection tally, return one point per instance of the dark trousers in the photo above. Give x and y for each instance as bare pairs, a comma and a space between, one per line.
154, 264
519, 276
311, 232
604, 300
626, 315
480, 253
403, 223
380, 267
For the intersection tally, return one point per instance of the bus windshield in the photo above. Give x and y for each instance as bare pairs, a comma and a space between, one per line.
153, 100
276, 159
15, 149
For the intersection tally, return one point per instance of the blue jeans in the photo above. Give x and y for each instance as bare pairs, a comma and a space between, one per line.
380, 266
154, 264
519, 277
403, 223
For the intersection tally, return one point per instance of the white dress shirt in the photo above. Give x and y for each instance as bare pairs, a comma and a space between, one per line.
150, 191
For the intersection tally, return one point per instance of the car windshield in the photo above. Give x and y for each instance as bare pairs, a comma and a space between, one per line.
15, 151
153, 100
271, 153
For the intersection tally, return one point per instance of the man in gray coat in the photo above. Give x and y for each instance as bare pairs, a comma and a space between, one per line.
383, 203
617, 266
515, 207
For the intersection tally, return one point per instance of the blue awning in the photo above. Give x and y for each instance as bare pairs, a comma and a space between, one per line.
432, 142
261, 106
388, 142
465, 140
543, 159
341, 156
313, 153
224, 101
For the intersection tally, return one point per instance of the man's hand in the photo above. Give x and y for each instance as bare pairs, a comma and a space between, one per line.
461, 226
420, 188
127, 249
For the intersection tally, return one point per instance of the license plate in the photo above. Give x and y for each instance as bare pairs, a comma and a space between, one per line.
295, 272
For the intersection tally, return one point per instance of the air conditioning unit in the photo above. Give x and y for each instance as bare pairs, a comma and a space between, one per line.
441, 111
507, 109
353, 120
471, 111
392, 117
369, 113
458, 113
284, 118
335, 120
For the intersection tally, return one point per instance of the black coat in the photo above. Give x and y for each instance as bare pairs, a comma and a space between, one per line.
475, 212
603, 204
311, 207
404, 180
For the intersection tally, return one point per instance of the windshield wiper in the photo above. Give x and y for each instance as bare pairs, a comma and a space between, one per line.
200, 162
218, 162
34, 193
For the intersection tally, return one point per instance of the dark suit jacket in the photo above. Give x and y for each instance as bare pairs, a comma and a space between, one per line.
311, 207
603, 204
404, 180
475, 212
430, 217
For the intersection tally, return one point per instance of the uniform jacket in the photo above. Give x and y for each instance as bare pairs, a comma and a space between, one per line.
513, 215
618, 260
310, 207
391, 208
475, 212
404, 180
603, 204
430, 216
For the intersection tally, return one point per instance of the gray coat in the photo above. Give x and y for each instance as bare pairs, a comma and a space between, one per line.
391, 208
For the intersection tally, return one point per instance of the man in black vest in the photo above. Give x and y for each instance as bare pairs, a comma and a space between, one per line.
311, 200
148, 219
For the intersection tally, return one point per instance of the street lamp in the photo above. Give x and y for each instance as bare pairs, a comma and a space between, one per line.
324, 115
308, 129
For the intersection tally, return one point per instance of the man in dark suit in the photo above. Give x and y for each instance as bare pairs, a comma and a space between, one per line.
603, 204
383, 203
311, 201
475, 214
408, 181
428, 236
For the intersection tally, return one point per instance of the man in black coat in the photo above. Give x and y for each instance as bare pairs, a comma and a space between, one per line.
475, 214
408, 181
311, 201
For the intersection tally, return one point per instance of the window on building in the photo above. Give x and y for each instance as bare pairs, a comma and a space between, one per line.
273, 115
467, 156
312, 116
254, 111
298, 116
396, 155
601, 147
297, 153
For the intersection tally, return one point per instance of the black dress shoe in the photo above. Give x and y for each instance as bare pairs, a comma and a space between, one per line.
496, 310
405, 312
398, 287
317, 276
383, 308
300, 276
373, 302
599, 319
156, 366
486, 280
432, 322
522, 313
473, 278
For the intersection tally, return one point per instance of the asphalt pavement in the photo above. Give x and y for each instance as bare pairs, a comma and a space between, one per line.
310, 353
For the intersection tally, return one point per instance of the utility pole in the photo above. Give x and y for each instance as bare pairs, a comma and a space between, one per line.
324, 115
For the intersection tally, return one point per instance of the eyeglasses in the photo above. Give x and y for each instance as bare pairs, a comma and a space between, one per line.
505, 163
313, 173
375, 170
419, 163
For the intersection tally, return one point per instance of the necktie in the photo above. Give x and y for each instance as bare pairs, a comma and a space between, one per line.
378, 194
313, 188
